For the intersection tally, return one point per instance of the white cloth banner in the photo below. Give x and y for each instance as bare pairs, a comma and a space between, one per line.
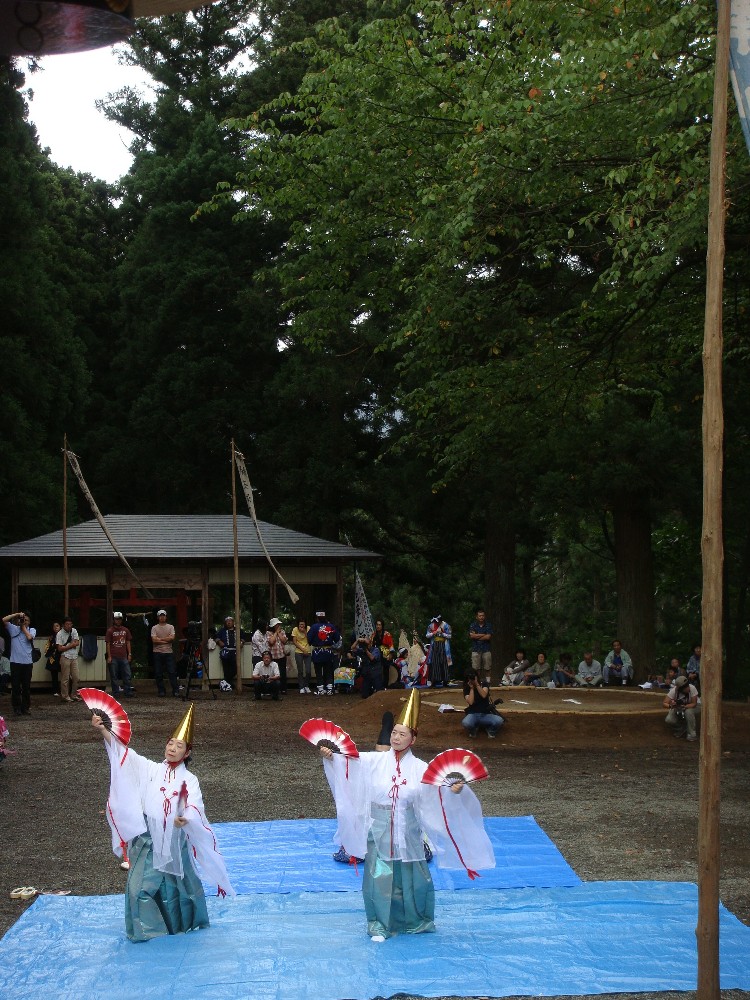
363, 623
739, 68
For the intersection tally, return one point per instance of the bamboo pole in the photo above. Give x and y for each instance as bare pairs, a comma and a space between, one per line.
712, 548
237, 619
66, 586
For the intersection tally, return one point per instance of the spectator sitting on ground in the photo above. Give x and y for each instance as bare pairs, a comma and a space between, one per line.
539, 673
682, 702
589, 672
513, 673
618, 667
480, 712
564, 675
266, 677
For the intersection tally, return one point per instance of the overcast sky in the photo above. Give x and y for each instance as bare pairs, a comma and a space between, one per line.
65, 114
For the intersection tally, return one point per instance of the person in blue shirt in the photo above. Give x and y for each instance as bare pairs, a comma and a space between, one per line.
480, 633
22, 637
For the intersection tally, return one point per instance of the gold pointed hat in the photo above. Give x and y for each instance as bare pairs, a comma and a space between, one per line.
184, 731
410, 714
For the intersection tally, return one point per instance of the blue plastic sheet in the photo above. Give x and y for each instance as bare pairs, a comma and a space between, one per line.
297, 856
600, 937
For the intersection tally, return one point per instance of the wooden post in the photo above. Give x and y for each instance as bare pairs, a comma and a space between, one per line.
712, 548
237, 619
205, 611
66, 588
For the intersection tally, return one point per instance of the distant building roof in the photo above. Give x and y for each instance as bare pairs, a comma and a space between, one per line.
161, 537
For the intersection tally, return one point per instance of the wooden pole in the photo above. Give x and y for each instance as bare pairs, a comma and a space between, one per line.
237, 619
66, 586
712, 546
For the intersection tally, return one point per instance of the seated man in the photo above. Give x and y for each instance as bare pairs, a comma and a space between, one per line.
682, 702
480, 712
539, 673
266, 677
618, 667
589, 672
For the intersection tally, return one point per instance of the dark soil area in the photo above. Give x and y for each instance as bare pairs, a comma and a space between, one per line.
605, 779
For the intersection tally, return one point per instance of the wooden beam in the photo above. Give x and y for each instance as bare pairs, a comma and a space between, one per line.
712, 546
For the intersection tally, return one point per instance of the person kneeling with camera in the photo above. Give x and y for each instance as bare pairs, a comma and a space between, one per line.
682, 702
480, 712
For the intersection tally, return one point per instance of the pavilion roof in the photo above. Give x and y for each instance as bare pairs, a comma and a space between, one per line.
161, 537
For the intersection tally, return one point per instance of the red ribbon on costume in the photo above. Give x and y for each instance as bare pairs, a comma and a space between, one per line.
167, 804
123, 844
469, 871
393, 796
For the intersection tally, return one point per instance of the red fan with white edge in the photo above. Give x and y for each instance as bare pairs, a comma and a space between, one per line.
182, 800
452, 766
322, 733
112, 713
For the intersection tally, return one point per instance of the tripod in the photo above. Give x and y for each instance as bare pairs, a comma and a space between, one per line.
195, 667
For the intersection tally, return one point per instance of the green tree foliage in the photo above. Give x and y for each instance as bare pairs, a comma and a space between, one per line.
527, 182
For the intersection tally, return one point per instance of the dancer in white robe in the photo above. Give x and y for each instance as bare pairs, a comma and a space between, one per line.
161, 836
383, 809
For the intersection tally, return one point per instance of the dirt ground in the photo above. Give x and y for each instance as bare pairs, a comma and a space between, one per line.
605, 779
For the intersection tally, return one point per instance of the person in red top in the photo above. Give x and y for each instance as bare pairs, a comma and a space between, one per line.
119, 656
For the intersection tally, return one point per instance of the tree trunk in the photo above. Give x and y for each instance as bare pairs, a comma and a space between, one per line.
635, 582
499, 587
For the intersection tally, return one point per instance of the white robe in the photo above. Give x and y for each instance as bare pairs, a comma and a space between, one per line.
377, 795
143, 797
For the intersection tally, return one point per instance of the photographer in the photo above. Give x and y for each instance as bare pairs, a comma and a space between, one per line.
22, 636
682, 702
480, 712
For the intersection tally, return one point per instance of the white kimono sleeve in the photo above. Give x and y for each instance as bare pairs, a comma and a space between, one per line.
125, 816
455, 826
202, 842
348, 780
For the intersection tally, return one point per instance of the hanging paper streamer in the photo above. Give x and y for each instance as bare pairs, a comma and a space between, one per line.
363, 623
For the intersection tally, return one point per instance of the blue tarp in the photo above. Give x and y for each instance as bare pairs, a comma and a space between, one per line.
601, 937
296, 856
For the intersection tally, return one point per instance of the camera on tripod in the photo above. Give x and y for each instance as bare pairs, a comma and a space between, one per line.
194, 630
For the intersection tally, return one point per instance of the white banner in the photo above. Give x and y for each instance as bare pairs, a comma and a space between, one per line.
363, 623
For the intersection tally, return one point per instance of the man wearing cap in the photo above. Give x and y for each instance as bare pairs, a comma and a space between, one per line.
325, 640
119, 655
226, 640
266, 677
277, 640
162, 637
68, 641
682, 702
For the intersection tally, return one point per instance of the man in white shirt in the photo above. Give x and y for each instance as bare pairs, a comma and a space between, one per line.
266, 677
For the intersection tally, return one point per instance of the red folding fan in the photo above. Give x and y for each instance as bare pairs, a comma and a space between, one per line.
452, 766
320, 732
111, 712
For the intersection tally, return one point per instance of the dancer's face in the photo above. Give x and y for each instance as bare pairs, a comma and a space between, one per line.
176, 750
401, 738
